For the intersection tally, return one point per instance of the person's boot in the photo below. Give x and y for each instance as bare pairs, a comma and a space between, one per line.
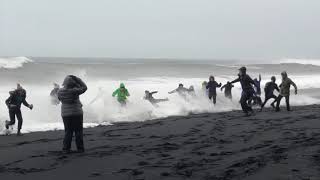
19, 133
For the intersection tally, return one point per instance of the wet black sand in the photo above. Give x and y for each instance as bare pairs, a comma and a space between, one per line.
222, 146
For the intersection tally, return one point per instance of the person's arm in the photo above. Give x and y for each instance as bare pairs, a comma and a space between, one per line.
259, 78
154, 92
115, 93
8, 101
236, 80
295, 87
24, 101
173, 91
127, 93
82, 87
219, 85
223, 87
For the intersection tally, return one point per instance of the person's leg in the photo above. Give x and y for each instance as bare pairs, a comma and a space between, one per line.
67, 133
274, 101
278, 102
12, 115
20, 120
214, 97
288, 103
78, 128
243, 102
265, 101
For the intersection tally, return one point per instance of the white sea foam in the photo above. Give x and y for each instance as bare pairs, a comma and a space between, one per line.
13, 62
106, 109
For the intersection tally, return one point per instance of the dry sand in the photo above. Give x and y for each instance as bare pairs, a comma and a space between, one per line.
267, 146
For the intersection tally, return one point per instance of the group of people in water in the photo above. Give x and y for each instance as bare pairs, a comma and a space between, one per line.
73, 87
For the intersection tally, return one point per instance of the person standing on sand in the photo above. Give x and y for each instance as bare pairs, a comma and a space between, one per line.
212, 89
285, 90
71, 111
122, 93
227, 90
16, 98
269, 89
247, 90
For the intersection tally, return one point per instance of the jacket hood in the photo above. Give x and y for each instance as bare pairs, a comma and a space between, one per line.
122, 85
68, 82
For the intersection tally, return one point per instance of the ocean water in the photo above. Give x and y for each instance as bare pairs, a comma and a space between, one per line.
103, 76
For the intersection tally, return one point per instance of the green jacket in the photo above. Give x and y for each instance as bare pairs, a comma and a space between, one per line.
285, 86
121, 93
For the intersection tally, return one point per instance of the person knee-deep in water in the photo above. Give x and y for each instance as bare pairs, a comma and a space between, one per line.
285, 90
71, 111
247, 90
227, 90
268, 90
182, 91
212, 89
149, 97
54, 94
16, 98
122, 93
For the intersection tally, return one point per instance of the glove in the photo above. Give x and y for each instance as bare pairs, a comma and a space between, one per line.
31, 106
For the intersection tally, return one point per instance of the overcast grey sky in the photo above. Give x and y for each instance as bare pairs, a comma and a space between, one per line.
161, 28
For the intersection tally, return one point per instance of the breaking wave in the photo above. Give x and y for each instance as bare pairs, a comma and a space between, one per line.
13, 62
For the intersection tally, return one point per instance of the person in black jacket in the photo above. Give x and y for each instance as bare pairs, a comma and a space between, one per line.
212, 86
269, 89
16, 98
247, 89
71, 111
227, 90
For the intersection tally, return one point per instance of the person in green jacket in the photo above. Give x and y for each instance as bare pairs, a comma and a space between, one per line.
122, 94
285, 90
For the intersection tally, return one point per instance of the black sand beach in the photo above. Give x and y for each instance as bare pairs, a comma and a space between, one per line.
224, 146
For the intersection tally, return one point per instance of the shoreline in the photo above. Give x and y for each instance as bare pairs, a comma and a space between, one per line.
223, 145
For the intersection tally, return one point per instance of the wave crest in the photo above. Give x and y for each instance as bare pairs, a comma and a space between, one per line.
14, 62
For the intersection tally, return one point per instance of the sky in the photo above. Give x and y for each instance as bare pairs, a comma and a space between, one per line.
204, 29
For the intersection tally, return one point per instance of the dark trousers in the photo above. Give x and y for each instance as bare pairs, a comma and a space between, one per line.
12, 114
279, 100
213, 97
245, 97
267, 98
73, 124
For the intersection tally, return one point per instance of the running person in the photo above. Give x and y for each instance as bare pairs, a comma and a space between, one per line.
269, 89
212, 89
148, 96
285, 90
122, 93
16, 98
247, 89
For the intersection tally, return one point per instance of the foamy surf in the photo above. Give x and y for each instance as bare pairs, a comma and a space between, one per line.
103, 78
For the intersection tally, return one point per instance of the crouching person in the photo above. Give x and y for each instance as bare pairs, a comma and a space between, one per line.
71, 111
